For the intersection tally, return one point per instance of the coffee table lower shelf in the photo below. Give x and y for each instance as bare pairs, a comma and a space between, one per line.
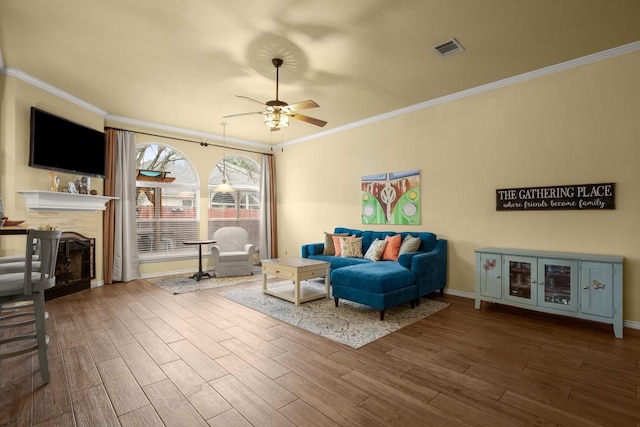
288, 293
296, 270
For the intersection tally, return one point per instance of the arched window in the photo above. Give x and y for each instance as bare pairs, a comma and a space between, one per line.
242, 206
166, 208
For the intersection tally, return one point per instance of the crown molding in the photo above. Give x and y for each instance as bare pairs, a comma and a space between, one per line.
27, 78
186, 132
599, 56
606, 54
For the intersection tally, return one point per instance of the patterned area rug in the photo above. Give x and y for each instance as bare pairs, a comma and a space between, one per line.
182, 283
350, 323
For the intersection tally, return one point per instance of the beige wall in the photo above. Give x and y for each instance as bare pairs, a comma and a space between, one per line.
578, 126
15, 173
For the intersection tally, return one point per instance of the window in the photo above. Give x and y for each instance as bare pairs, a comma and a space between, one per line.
241, 207
166, 207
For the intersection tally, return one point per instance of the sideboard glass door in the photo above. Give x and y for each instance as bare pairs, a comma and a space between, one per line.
521, 284
558, 284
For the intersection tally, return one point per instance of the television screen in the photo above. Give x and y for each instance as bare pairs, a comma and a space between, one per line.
61, 145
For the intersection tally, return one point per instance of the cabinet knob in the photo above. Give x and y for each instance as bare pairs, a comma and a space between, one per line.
498, 277
540, 283
585, 287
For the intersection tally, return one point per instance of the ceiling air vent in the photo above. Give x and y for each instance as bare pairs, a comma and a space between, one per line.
449, 47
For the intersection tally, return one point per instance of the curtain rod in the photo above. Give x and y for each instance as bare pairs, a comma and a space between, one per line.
189, 140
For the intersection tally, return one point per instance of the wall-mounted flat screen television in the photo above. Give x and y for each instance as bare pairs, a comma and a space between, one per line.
61, 145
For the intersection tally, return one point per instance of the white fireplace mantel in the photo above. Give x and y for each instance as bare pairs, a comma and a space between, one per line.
53, 201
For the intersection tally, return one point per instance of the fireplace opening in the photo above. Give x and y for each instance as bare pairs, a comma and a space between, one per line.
75, 265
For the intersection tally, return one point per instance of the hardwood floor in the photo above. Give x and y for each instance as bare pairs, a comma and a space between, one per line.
133, 354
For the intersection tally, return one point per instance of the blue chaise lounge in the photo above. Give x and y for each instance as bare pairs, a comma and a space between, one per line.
384, 284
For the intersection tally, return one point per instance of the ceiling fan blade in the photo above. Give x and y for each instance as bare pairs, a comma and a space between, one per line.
242, 114
250, 99
303, 105
308, 119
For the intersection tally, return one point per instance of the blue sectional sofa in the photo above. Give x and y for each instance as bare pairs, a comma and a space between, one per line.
385, 284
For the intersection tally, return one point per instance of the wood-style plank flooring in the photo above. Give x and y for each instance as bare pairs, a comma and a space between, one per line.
133, 354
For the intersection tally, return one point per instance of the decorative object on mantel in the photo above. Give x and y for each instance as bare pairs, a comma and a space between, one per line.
52, 201
567, 197
150, 175
55, 181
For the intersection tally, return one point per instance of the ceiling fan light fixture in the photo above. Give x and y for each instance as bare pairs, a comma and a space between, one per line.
277, 113
276, 120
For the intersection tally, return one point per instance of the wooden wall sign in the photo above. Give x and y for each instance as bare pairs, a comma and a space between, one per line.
572, 197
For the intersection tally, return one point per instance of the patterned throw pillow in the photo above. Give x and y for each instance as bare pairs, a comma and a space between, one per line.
393, 247
409, 244
376, 250
329, 247
336, 245
351, 247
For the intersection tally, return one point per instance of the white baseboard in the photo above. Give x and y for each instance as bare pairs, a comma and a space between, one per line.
627, 323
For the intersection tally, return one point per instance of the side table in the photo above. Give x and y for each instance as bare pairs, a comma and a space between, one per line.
197, 275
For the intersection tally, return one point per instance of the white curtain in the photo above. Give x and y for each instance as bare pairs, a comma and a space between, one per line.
267, 208
125, 263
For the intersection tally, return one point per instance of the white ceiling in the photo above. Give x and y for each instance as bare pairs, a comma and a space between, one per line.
182, 63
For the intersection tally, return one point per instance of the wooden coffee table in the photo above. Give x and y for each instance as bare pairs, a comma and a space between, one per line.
296, 269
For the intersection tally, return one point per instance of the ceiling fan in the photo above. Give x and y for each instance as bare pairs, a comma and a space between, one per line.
277, 113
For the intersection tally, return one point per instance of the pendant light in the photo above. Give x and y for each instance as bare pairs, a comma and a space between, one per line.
224, 186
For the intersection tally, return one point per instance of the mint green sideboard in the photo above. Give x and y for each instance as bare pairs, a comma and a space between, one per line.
585, 286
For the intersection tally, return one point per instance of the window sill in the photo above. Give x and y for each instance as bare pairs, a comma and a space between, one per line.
171, 256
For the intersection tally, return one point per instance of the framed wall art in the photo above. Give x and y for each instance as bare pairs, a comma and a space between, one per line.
391, 198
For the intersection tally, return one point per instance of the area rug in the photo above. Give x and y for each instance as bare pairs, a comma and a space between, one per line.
351, 324
183, 283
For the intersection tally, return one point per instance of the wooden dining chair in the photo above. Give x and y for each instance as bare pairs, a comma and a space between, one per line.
22, 299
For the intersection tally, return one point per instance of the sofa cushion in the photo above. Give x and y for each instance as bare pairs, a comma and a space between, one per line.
329, 248
379, 277
393, 247
427, 241
351, 247
234, 256
375, 251
409, 244
339, 262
